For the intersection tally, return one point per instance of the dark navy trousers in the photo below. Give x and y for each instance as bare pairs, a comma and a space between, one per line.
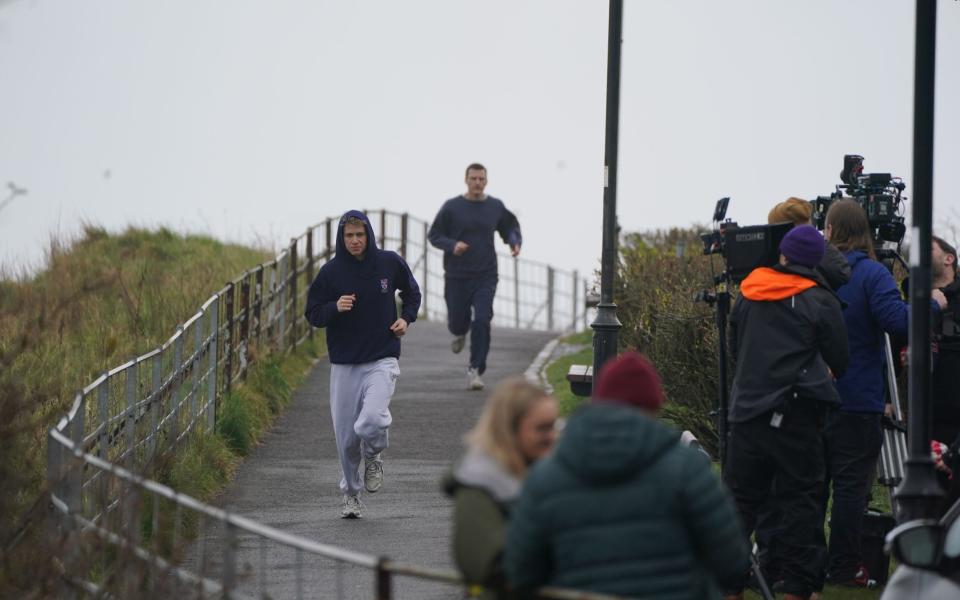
475, 294
853, 442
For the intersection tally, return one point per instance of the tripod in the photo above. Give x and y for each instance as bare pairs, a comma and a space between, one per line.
893, 452
719, 299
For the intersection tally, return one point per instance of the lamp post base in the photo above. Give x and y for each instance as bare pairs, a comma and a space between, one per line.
919, 493
605, 329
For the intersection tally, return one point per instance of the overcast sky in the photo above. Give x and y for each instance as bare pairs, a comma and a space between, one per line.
251, 120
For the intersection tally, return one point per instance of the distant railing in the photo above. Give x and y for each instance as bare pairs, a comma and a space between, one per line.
149, 406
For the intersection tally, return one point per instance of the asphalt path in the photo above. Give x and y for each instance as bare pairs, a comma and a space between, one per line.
290, 480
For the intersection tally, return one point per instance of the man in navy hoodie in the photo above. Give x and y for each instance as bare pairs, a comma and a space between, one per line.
463, 229
353, 297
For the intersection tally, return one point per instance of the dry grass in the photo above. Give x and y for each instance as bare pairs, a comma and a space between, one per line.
96, 302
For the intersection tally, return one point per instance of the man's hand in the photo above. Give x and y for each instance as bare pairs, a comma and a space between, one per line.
460, 247
345, 303
888, 410
399, 327
939, 298
515, 250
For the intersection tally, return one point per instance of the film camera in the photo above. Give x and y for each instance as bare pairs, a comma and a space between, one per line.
743, 248
880, 195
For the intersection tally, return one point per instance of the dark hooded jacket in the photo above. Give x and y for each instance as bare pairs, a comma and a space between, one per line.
834, 267
785, 330
946, 371
473, 222
623, 508
362, 335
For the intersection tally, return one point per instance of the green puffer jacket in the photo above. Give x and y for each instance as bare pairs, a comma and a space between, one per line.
623, 508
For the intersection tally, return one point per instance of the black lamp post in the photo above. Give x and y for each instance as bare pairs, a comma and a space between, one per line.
919, 492
606, 325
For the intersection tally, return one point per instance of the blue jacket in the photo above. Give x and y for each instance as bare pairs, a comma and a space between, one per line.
362, 335
473, 222
873, 306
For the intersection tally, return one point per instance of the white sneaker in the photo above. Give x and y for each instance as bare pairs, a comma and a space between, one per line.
352, 507
473, 380
373, 474
457, 344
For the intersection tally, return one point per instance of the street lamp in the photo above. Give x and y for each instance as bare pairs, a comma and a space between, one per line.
919, 492
606, 325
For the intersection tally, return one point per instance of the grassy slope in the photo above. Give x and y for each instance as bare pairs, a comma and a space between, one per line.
98, 302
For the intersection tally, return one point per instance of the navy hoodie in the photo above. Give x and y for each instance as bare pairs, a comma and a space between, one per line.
362, 335
473, 222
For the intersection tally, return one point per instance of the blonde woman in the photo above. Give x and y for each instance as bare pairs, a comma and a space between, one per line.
516, 428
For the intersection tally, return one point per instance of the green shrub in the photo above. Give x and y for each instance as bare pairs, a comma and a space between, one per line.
655, 296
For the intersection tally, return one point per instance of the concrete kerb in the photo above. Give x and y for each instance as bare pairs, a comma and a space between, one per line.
536, 373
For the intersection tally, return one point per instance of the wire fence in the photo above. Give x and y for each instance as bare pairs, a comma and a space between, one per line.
127, 532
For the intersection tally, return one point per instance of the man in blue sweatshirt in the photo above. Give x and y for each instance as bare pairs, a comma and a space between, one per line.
464, 229
353, 297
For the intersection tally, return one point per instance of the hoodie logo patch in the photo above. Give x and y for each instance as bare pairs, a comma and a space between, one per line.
384, 284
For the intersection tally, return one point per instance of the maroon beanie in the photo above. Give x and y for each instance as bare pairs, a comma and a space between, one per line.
630, 379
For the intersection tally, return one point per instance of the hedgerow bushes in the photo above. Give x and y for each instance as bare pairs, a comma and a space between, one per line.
659, 277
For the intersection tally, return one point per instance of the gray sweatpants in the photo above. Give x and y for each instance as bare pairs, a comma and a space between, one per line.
360, 406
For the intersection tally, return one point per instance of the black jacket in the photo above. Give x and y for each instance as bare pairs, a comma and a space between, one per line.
946, 369
786, 329
834, 267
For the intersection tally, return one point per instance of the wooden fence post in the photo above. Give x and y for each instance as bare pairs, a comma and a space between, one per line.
573, 309
424, 289
294, 271
229, 341
245, 323
550, 290
309, 278
258, 304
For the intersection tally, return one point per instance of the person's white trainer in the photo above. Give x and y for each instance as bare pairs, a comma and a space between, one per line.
352, 507
457, 344
473, 380
373, 474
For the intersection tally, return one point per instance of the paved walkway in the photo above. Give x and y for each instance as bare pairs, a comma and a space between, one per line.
290, 481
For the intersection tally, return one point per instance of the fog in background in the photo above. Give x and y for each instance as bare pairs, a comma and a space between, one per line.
250, 121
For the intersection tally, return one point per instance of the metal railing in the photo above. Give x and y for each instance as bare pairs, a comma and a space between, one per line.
147, 408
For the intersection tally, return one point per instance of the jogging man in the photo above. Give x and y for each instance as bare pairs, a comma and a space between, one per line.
464, 229
353, 297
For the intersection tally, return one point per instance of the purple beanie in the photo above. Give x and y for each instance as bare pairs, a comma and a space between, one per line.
803, 245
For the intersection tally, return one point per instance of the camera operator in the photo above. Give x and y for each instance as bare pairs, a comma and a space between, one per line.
946, 360
946, 370
786, 336
852, 433
834, 266
836, 271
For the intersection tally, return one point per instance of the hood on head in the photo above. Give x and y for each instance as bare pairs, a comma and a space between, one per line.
342, 251
606, 443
